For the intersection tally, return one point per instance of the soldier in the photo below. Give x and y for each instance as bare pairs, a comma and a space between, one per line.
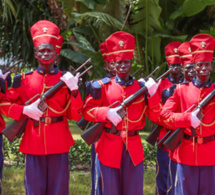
165, 90
195, 156
119, 149
47, 138
187, 62
109, 66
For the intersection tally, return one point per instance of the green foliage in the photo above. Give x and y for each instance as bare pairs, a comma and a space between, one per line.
16, 21
11, 153
79, 155
150, 155
192, 7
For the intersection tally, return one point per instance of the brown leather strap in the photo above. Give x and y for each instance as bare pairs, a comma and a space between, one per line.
199, 140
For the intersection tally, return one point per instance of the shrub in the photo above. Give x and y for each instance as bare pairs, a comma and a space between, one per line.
79, 154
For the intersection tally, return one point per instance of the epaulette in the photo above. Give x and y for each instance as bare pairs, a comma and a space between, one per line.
87, 88
166, 93
29, 72
96, 86
8, 79
17, 79
2, 85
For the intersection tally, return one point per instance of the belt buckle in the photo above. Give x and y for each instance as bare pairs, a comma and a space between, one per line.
48, 120
123, 134
199, 140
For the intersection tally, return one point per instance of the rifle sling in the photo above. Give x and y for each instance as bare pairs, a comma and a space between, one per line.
199, 140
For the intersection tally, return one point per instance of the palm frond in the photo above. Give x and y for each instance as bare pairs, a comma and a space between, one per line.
98, 19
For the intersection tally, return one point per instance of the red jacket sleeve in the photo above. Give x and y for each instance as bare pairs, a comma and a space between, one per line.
171, 116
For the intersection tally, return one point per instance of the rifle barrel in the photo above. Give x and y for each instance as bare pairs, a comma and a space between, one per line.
84, 64
12, 66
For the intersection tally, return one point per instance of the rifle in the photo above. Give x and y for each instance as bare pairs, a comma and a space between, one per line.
153, 136
83, 124
16, 128
174, 140
91, 134
12, 66
161, 145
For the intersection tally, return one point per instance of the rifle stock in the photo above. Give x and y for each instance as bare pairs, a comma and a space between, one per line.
153, 136
82, 123
11, 130
174, 140
16, 128
90, 135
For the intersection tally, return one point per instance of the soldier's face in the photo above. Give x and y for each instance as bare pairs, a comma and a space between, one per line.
176, 68
46, 54
110, 68
189, 72
123, 68
203, 70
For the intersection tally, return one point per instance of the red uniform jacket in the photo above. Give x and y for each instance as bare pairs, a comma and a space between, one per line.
173, 117
46, 138
163, 91
109, 146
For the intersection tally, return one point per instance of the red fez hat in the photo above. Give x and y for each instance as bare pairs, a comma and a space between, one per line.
185, 53
59, 44
44, 31
202, 47
120, 46
171, 53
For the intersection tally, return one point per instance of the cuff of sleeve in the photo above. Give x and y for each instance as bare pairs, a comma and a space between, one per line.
101, 114
182, 120
15, 111
154, 100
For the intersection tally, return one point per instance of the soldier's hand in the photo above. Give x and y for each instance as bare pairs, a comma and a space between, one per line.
32, 111
195, 122
70, 80
4, 76
152, 86
113, 116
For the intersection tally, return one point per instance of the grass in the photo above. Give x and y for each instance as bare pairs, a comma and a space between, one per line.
80, 181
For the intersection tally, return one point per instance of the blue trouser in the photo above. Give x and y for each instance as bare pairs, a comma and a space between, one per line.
1, 159
47, 174
98, 178
93, 156
96, 181
162, 168
195, 180
171, 177
128, 180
